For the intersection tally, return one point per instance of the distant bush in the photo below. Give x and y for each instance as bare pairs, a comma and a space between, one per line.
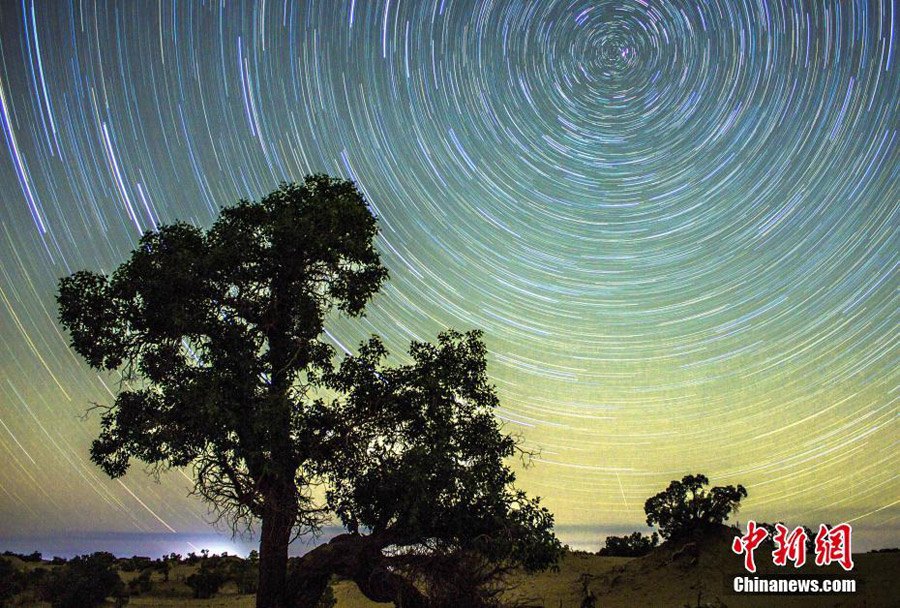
163, 567
141, 584
12, 581
687, 505
86, 581
633, 545
31, 557
205, 582
135, 564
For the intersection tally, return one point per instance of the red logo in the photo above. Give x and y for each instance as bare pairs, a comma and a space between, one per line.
748, 543
834, 546
789, 547
831, 545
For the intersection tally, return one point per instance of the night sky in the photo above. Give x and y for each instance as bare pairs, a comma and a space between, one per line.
678, 224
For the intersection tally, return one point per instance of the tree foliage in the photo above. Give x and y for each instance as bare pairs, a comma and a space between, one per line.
218, 336
205, 582
85, 581
687, 505
220, 330
424, 488
633, 545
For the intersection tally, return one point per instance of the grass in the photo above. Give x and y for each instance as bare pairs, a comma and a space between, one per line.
690, 575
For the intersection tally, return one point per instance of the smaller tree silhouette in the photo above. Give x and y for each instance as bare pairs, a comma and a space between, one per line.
426, 494
687, 505
85, 581
633, 545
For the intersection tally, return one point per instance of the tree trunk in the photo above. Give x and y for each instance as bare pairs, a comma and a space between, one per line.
306, 587
277, 526
359, 559
381, 585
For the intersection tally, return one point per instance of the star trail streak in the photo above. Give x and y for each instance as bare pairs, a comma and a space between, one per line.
677, 222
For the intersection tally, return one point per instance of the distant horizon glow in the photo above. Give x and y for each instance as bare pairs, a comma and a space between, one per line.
155, 545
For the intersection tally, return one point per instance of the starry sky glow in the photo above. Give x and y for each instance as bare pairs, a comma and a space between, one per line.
678, 224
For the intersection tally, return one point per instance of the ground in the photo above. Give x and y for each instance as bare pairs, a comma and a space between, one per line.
694, 572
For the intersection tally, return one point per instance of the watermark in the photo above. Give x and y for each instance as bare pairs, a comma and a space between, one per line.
785, 585
831, 545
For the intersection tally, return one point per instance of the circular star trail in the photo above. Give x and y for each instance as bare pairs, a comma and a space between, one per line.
678, 224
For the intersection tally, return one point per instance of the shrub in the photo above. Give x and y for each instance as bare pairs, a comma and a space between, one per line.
205, 582
84, 582
11, 580
633, 545
327, 600
142, 583
245, 573
135, 564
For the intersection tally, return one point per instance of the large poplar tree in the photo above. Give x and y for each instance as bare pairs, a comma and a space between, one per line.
218, 336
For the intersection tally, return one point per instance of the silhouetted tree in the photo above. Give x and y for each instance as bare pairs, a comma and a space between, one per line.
85, 581
217, 336
633, 545
687, 505
34, 557
421, 482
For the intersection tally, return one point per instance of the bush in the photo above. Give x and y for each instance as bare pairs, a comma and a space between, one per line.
686, 506
633, 545
163, 567
142, 583
135, 563
84, 582
31, 557
245, 573
205, 582
11, 580
327, 600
